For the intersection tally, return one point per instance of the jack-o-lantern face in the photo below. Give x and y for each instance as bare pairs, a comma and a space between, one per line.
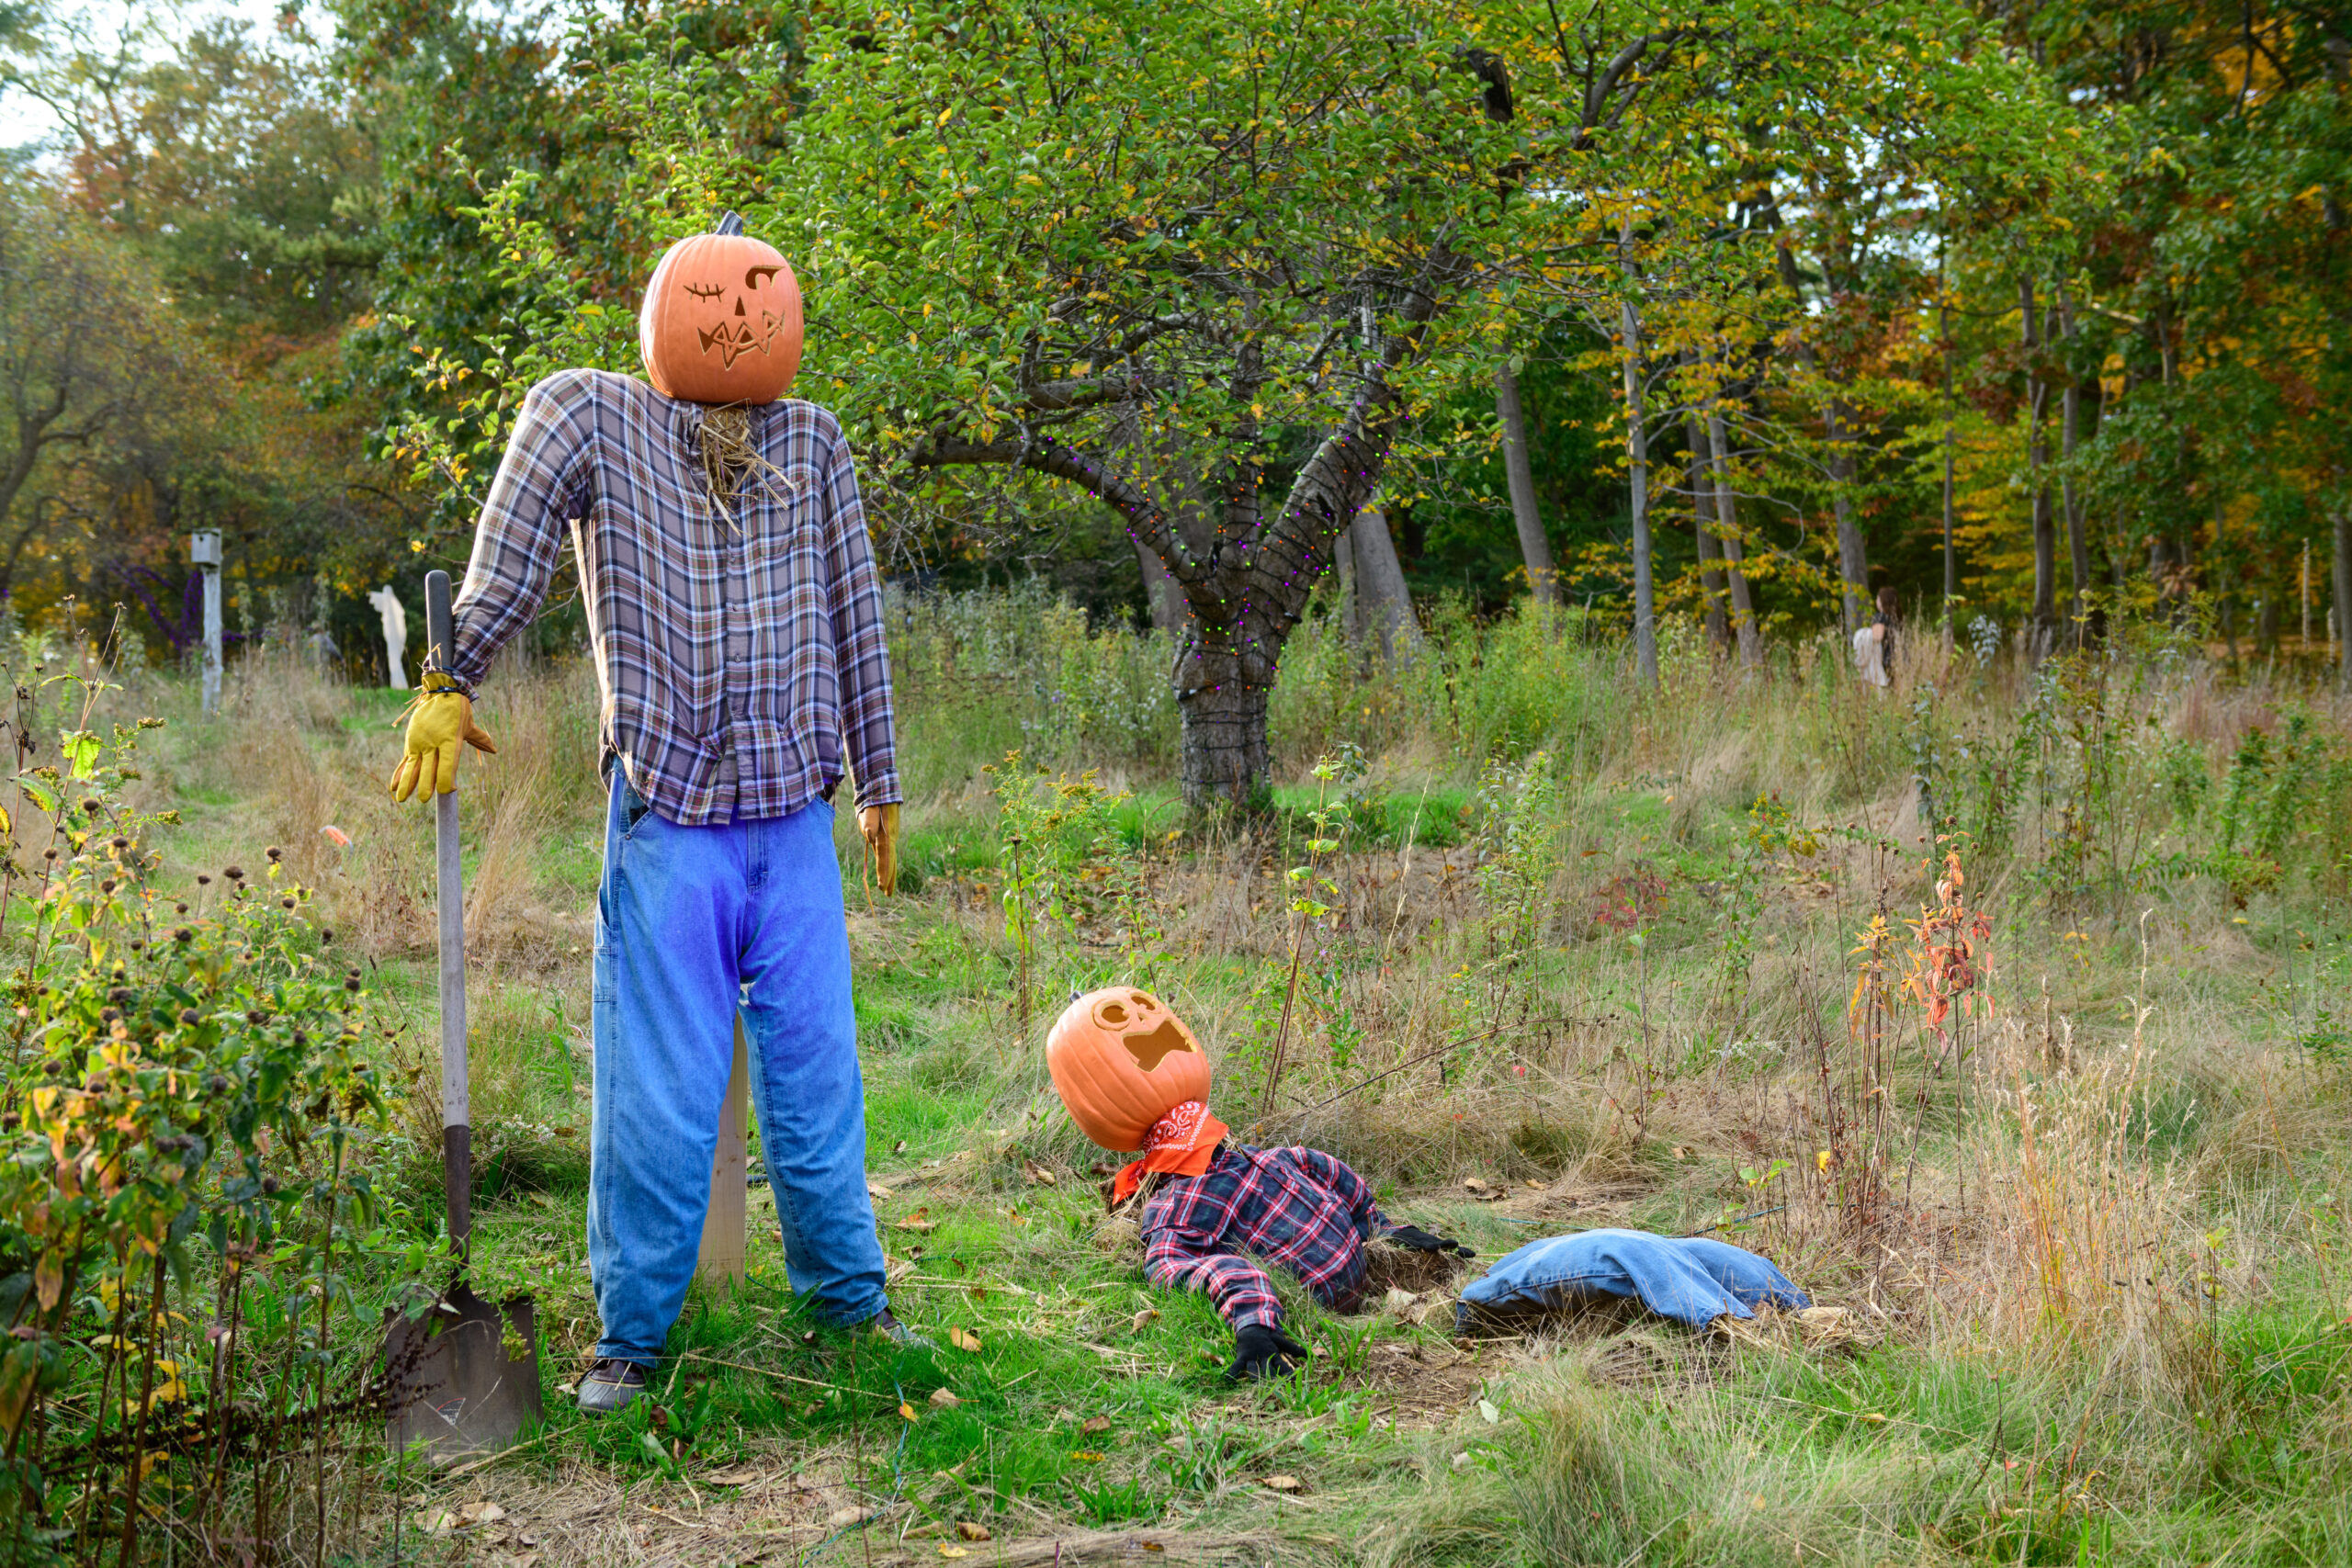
722, 321
1120, 1061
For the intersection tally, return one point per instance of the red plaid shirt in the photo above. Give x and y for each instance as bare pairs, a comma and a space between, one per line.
1299, 1208
741, 657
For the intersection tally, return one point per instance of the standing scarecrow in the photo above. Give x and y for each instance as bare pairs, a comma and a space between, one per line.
738, 628
1133, 1077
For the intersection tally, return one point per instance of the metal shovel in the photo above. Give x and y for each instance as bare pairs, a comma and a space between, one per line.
464, 1377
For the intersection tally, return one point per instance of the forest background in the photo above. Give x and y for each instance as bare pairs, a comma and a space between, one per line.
2030, 312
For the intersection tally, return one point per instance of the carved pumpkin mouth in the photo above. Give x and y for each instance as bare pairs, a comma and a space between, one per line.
1149, 1049
731, 339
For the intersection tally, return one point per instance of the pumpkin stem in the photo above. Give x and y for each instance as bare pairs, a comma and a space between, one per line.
730, 222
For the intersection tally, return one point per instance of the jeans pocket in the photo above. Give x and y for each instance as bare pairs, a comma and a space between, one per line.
634, 809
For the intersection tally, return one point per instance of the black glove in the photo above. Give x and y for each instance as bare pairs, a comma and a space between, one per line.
1262, 1350
1420, 1240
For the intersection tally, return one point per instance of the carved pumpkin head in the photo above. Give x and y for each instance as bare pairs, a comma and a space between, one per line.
721, 320
1120, 1061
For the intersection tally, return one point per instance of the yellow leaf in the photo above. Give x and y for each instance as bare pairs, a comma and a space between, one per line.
963, 1339
907, 1412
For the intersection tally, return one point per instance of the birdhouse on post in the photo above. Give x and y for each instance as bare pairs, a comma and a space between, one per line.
204, 554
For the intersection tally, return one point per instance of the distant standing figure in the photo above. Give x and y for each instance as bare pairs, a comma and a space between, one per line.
1875, 644
387, 605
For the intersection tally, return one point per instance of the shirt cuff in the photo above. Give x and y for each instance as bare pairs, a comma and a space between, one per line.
882, 789
1268, 1315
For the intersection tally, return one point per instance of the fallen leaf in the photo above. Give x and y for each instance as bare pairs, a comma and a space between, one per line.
952, 1552
967, 1529
1473, 1184
1281, 1484
1487, 1411
482, 1514
963, 1339
1534, 1185
1095, 1424
443, 1523
851, 1516
1461, 1461
900, 1147
979, 1292
734, 1475
1141, 1318
919, 1221
944, 1398
1037, 1173
906, 1412
1398, 1300
1087, 1454
880, 1194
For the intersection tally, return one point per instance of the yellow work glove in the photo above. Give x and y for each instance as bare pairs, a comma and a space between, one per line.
438, 720
880, 826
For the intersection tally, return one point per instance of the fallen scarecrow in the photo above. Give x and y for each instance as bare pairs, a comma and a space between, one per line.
1133, 1077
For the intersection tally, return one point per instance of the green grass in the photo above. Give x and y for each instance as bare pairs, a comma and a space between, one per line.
1983, 1421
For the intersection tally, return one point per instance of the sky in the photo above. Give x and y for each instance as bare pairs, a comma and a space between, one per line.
24, 119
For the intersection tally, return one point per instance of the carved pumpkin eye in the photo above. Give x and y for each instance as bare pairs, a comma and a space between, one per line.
705, 290
759, 274
1111, 1015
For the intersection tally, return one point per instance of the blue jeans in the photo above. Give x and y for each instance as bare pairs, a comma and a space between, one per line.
1691, 1279
691, 923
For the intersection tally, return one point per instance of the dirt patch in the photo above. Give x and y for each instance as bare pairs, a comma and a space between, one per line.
1116, 1546
1387, 1268
761, 1510
1423, 1385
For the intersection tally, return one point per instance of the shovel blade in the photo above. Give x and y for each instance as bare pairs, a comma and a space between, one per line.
451, 1381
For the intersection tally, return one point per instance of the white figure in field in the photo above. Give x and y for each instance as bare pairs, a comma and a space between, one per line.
387, 605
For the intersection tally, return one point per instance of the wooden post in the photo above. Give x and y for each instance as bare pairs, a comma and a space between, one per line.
723, 1224
204, 554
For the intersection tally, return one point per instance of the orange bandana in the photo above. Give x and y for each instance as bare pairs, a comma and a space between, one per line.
1178, 1143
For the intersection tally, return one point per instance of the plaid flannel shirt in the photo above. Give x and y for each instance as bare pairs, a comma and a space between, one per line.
1299, 1208
738, 658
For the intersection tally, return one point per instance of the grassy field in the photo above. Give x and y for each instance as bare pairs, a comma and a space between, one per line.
1581, 954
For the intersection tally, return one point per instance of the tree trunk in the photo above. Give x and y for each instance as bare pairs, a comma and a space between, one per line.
2037, 458
1951, 561
1226, 753
1745, 625
1384, 604
1853, 554
1543, 578
1637, 454
2343, 532
1161, 593
1343, 569
1702, 526
2078, 544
